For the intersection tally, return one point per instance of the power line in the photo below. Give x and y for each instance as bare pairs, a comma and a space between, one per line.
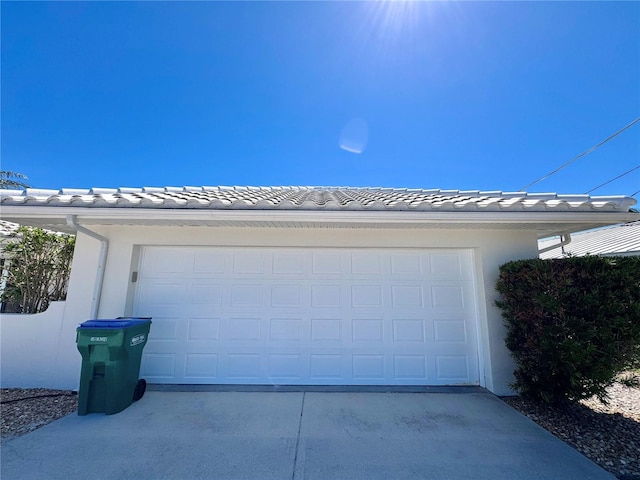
613, 179
586, 152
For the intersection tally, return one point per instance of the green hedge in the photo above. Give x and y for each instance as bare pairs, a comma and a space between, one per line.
573, 324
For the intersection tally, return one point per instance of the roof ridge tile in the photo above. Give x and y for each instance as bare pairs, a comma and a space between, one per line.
130, 190
74, 191
13, 192
40, 192
541, 195
102, 191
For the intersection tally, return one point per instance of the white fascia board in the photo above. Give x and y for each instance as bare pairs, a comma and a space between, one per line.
209, 217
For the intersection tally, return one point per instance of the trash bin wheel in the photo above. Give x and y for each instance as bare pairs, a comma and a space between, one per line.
141, 387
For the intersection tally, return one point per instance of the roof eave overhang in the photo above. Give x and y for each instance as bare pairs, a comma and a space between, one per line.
546, 223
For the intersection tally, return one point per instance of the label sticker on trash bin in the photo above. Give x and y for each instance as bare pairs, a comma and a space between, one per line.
138, 339
98, 339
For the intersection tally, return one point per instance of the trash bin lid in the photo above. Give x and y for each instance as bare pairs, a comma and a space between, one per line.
114, 323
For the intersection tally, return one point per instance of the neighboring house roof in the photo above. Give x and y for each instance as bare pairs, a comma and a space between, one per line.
616, 240
548, 213
8, 233
8, 229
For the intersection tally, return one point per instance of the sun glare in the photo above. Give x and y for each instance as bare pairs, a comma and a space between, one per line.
394, 14
386, 23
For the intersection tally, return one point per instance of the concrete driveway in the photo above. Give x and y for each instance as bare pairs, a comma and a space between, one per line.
298, 435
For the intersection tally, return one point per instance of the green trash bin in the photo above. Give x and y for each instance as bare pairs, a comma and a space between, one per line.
111, 353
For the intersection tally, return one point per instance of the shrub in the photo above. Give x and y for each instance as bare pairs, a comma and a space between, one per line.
573, 324
38, 268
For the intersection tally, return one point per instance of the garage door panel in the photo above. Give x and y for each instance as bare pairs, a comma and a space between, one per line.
366, 264
286, 330
326, 296
244, 329
308, 316
247, 296
368, 366
164, 328
366, 296
367, 330
406, 264
249, 263
201, 366
158, 366
448, 331
326, 366
407, 296
153, 292
291, 264
326, 264
447, 296
162, 311
452, 368
286, 366
410, 367
290, 296
210, 294
408, 330
206, 263
244, 366
161, 262
327, 331
202, 329
448, 265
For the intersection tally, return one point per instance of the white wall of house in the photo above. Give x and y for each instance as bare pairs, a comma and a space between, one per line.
491, 249
29, 345
39, 350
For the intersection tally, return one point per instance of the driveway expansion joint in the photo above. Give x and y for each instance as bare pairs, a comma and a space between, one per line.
295, 456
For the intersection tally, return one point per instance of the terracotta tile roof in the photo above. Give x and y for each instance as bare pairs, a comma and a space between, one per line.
616, 240
312, 198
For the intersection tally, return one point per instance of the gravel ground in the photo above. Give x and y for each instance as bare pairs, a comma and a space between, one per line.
607, 434
21, 414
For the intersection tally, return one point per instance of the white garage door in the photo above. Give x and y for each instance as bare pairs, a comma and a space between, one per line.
308, 316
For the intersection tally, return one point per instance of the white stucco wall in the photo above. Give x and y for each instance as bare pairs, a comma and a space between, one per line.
491, 249
40, 350
29, 345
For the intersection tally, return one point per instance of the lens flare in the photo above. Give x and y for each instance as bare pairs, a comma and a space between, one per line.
354, 136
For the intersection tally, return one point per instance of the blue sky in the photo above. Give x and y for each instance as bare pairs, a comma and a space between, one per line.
451, 95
